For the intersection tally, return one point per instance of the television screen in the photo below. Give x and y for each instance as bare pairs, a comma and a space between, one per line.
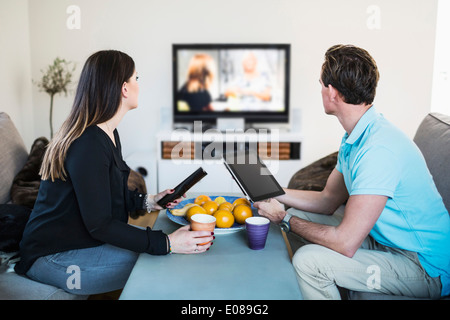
249, 81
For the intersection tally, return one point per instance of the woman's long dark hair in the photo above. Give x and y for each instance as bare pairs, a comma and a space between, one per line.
97, 100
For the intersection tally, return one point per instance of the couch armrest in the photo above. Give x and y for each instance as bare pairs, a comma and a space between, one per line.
13, 155
433, 139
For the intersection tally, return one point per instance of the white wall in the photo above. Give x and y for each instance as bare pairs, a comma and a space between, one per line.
400, 35
441, 77
15, 70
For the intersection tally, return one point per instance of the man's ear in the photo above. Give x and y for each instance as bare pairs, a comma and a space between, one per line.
124, 90
333, 93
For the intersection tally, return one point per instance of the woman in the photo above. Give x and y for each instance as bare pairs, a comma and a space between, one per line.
81, 212
199, 79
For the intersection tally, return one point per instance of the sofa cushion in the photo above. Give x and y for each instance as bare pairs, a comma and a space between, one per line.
12, 155
13, 219
433, 139
137, 182
26, 184
314, 176
16, 287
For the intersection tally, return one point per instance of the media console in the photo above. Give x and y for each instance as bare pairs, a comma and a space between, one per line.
181, 152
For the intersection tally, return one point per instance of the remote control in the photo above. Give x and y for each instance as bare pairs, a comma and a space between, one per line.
184, 186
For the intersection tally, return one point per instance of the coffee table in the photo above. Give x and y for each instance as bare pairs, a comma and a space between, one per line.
228, 271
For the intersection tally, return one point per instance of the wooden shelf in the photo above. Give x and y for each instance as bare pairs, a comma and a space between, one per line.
266, 150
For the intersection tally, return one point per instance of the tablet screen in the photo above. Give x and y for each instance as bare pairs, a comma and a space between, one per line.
253, 176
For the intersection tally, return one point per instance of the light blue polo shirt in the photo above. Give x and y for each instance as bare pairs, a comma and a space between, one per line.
377, 158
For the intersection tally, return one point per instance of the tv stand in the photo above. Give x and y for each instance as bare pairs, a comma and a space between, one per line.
224, 124
257, 128
220, 125
182, 151
204, 127
208, 126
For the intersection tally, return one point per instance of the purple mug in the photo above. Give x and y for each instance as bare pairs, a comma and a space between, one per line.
257, 230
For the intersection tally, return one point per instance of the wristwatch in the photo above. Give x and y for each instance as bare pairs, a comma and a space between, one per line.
284, 224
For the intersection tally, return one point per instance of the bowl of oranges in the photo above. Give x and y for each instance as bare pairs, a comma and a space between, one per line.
230, 212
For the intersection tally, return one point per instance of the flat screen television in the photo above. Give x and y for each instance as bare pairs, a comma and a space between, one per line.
249, 81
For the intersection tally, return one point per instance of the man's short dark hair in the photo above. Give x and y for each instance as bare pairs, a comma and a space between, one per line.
353, 72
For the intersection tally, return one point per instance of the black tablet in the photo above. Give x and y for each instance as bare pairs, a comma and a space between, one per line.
252, 176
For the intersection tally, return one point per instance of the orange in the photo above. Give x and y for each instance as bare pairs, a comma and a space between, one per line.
224, 219
219, 200
194, 210
226, 206
242, 212
201, 199
241, 201
210, 206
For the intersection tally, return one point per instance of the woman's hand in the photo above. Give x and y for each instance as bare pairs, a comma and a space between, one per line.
152, 200
185, 241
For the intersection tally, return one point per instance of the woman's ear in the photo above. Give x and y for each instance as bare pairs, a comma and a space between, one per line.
124, 90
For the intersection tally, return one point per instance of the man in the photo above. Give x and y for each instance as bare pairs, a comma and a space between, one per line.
394, 235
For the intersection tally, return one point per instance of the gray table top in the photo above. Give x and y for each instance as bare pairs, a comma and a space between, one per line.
229, 270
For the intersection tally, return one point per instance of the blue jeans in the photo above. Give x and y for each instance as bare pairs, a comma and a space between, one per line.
85, 271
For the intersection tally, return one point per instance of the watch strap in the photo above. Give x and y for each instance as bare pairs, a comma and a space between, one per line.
285, 225
287, 217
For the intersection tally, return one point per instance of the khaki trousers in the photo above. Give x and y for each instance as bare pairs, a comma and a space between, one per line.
373, 268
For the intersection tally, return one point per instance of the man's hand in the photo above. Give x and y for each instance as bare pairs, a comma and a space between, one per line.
272, 209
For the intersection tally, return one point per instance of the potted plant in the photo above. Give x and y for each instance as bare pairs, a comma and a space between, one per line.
56, 79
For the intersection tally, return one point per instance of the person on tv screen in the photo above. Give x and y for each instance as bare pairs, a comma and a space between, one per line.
194, 95
252, 85
80, 218
393, 235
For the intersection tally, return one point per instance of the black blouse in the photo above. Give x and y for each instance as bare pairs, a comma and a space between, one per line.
90, 208
198, 101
